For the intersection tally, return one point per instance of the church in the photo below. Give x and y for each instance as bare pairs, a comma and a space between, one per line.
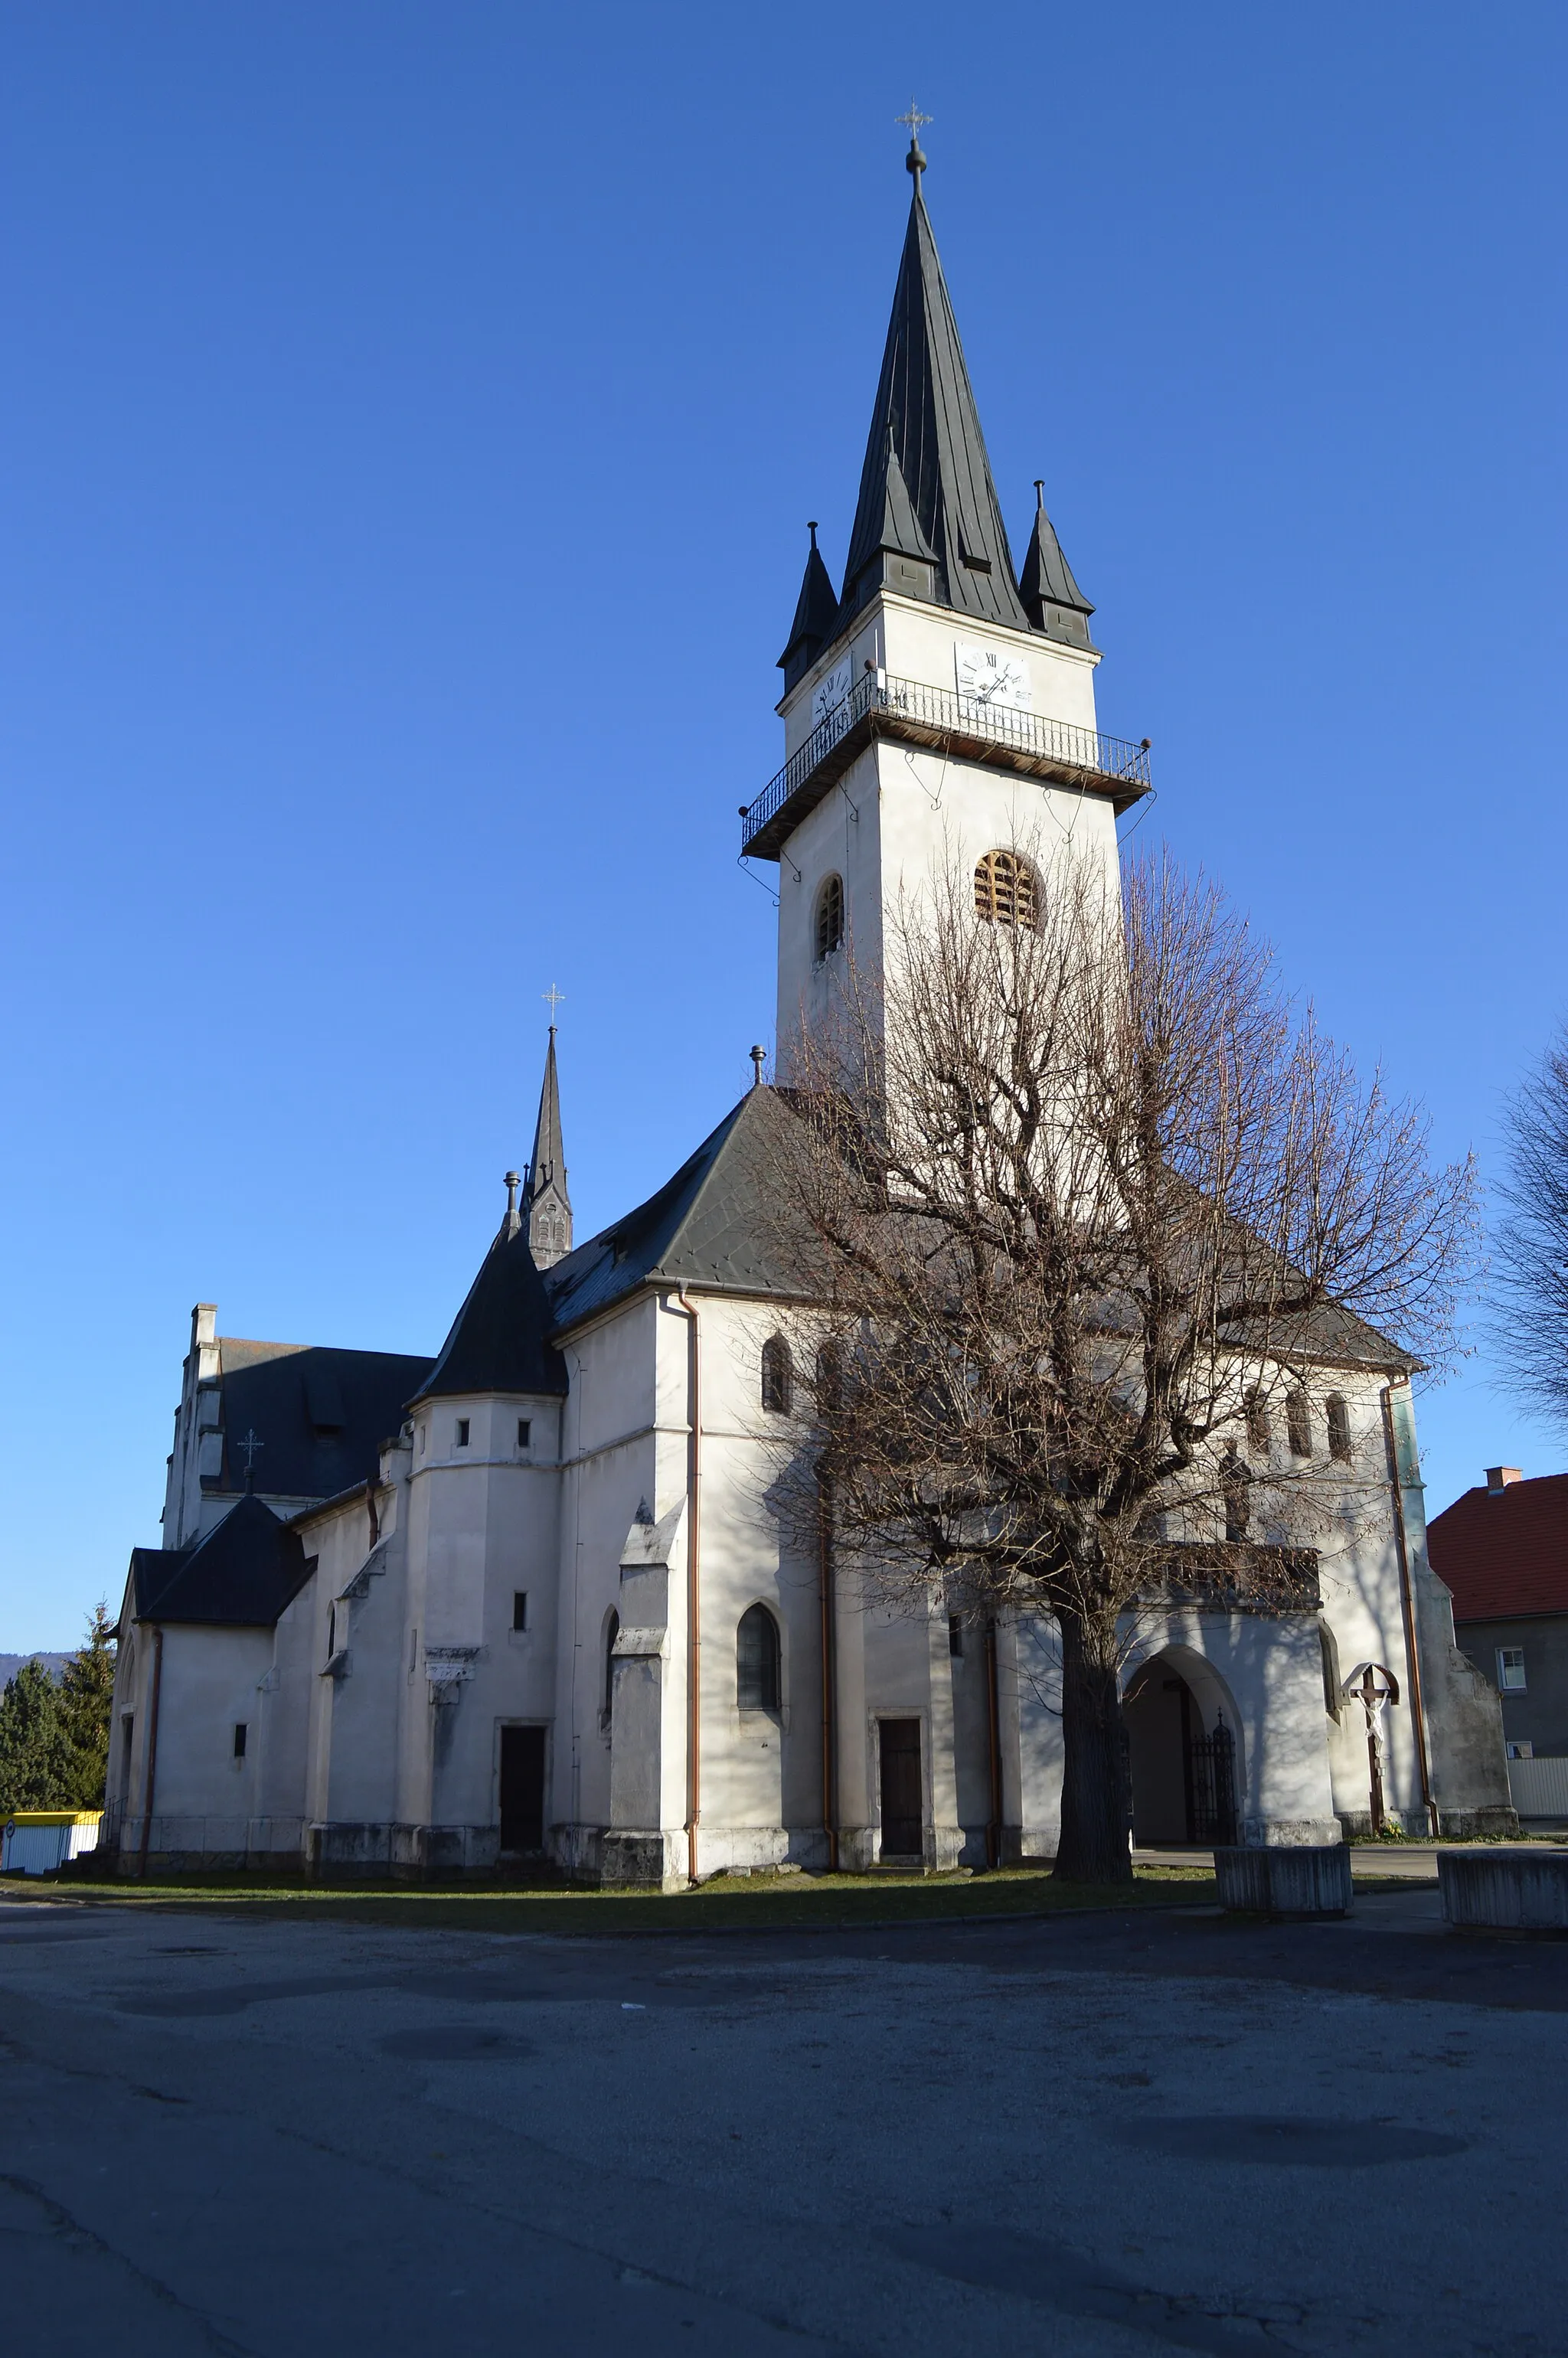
527, 1601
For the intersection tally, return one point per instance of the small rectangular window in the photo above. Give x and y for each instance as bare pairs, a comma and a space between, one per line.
462, 1432
520, 1608
955, 1633
524, 1428
414, 1650
239, 1740
1510, 1669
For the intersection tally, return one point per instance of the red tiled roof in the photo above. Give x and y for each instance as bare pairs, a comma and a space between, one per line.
1504, 1551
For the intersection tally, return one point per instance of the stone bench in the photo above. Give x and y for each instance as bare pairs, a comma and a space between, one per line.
1285, 1879
1506, 1890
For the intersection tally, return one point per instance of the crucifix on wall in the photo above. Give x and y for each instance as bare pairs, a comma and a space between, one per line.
1374, 1687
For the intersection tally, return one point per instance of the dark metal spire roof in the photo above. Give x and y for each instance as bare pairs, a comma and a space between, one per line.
936, 449
547, 1207
1052, 599
498, 1342
816, 616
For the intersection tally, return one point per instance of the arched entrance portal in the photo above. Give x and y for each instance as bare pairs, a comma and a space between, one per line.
1181, 1753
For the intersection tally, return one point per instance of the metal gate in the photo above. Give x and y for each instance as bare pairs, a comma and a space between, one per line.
1211, 1786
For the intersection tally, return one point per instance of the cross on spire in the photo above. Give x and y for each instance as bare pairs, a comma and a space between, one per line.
249, 1447
555, 997
914, 121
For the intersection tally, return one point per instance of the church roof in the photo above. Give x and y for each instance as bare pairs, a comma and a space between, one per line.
711, 1226
937, 451
320, 1415
499, 1341
245, 1571
546, 1205
816, 616
1046, 580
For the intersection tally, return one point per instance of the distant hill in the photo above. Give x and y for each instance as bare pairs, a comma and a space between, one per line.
11, 1663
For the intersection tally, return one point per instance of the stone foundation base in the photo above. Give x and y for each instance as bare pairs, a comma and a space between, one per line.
1505, 1890
643, 1862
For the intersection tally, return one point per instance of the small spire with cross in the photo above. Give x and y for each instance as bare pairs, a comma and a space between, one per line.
249, 1447
914, 121
555, 997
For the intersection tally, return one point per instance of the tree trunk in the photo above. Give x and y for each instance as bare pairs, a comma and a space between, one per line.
1093, 1846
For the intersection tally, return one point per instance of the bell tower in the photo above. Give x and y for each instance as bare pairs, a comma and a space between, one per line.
941, 707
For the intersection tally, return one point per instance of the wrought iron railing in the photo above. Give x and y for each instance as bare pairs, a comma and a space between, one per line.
922, 708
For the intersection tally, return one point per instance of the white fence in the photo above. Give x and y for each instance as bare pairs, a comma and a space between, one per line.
1539, 1788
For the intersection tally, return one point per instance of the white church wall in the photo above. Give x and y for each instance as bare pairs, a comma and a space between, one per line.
203, 1793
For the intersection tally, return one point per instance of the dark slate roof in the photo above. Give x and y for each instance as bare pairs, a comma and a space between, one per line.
243, 1574
1504, 1552
816, 616
1048, 581
499, 1338
320, 1415
547, 1204
711, 1226
923, 393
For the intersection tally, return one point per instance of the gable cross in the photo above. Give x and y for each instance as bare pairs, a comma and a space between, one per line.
250, 1445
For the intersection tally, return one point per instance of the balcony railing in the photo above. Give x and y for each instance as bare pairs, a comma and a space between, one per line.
881, 705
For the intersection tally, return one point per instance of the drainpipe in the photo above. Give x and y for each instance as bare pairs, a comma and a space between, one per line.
693, 1589
993, 1717
152, 1749
1407, 1605
829, 1707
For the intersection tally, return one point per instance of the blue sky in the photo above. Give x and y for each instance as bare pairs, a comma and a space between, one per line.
409, 419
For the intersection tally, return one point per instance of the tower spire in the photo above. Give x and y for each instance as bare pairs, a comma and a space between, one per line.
1052, 599
816, 616
927, 425
546, 1206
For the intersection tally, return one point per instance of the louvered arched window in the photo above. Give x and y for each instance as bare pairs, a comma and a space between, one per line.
829, 916
1298, 1424
1260, 1426
757, 1651
777, 1375
1005, 892
1338, 1415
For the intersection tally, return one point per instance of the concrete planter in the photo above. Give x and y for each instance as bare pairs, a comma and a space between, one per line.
1286, 1879
1507, 1890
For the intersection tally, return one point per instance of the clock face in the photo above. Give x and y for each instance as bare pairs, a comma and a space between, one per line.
830, 692
991, 676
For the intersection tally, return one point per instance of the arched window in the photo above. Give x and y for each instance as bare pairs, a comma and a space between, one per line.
611, 1631
829, 916
757, 1660
1338, 1428
1234, 1482
777, 1374
1260, 1428
1005, 892
1298, 1424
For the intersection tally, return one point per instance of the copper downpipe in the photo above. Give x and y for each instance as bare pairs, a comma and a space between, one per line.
152, 1749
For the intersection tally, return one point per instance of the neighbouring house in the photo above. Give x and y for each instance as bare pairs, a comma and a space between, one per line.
533, 1597
1503, 1552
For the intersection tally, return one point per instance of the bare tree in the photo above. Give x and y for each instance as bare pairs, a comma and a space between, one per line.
1531, 1271
1084, 1196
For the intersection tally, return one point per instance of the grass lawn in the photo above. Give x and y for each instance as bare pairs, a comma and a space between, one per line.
725, 1903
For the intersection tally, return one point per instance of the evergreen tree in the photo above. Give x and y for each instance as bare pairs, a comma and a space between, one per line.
86, 1694
34, 1749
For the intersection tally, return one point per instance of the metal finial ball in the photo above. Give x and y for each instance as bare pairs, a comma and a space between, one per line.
916, 159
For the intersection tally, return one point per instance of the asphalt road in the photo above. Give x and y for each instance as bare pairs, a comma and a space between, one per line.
1108, 2134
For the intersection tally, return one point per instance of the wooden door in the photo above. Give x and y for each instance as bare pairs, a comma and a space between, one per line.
522, 1789
902, 1800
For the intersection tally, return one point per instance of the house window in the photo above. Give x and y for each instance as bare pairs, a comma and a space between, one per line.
777, 1372
1298, 1424
829, 917
524, 1428
956, 1635
1005, 891
1510, 1669
520, 1608
1260, 1427
240, 1739
1338, 1428
462, 1432
757, 1660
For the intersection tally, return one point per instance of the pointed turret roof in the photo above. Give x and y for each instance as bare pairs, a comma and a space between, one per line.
546, 1206
1052, 599
498, 1338
938, 452
816, 616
